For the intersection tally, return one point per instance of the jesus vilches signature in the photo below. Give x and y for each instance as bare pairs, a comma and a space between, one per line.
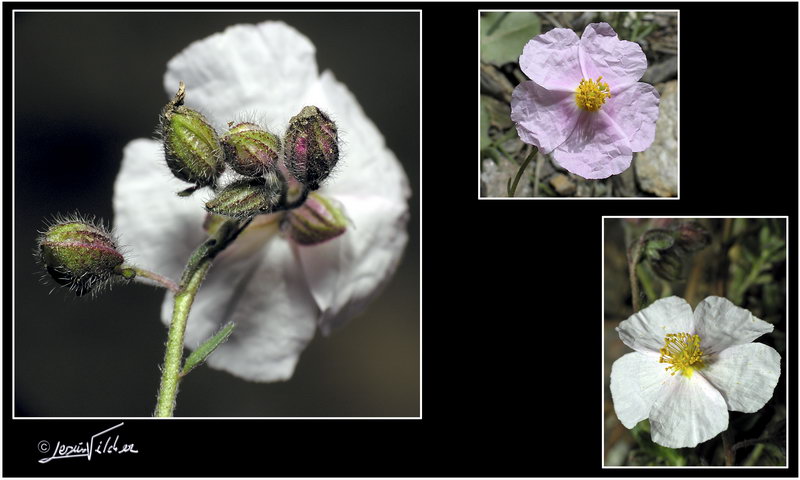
103, 443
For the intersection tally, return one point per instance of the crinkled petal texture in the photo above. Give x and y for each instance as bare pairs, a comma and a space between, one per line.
636, 380
544, 118
721, 325
745, 375
597, 148
602, 53
635, 112
590, 144
276, 292
687, 411
645, 330
551, 60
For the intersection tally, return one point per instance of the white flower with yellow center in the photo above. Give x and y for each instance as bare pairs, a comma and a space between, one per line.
277, 290
689, 369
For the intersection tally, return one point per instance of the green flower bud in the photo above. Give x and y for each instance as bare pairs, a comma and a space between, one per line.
312, 148
250, 150
79, 255
316, 221
249, 197
191, 145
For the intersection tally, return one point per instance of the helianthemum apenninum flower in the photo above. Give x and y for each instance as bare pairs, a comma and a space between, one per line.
585, 103
289, 272
689, 369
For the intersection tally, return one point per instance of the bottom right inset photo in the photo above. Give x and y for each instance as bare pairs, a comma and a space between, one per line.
694, 342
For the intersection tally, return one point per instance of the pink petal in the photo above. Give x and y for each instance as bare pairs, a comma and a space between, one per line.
635, 111
551, 60
544, 118
602, 53
596, 148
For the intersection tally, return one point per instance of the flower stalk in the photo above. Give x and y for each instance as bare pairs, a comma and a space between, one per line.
136, 273
512, 188
193, 276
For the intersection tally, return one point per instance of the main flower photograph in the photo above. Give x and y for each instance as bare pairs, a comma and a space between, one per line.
224, 215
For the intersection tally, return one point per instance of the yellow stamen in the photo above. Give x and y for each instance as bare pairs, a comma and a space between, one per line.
682, 352
590, 94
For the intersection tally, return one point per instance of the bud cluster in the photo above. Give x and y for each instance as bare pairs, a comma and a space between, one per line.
279, 175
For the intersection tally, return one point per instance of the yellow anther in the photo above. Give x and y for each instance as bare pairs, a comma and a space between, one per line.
590, 94
682, 351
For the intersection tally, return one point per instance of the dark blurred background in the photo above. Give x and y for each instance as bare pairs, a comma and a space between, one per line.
87, 84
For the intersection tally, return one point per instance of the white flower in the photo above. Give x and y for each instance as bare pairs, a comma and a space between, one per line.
689, 369
277, 292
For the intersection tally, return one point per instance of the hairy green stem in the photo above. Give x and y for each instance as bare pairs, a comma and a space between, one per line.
170, 374
193, 276
139, 273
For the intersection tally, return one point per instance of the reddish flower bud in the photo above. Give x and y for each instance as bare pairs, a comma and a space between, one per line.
78, 254
312, 148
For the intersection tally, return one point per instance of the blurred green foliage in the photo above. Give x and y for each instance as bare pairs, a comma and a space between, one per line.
504, 34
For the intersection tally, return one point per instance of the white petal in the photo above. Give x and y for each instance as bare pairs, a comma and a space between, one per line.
636, 380
745, 375
266, 296
366, 166
687, 411
721, 324
346, 273
645, 330
261, 70
158, 228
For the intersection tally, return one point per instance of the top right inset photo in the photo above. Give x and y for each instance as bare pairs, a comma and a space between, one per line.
579, 104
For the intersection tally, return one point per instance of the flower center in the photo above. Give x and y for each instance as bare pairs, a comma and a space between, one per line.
682, 352
590, 95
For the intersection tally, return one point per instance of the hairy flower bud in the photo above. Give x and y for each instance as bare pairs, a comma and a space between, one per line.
249, 197
312, 148
316, 221
250, 150
79, 254
191, 145
692, 237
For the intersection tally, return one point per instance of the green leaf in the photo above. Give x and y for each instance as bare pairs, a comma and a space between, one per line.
207, 348
504, 34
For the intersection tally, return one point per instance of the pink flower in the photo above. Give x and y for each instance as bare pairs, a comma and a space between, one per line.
585, 103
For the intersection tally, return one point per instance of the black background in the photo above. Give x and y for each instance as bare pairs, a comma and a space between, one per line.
512, 289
